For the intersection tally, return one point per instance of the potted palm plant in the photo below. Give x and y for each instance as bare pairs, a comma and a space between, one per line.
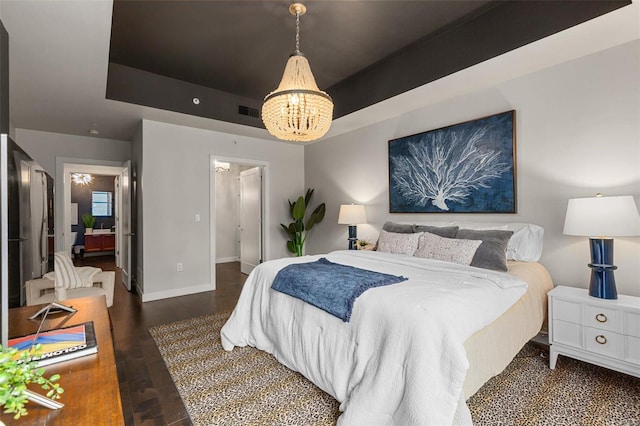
16, 374
298, 230
88, 220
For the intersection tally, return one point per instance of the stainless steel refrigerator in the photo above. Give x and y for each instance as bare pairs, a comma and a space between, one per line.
27, 225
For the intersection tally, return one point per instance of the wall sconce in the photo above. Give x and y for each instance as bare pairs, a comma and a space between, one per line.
601, 218
352, 215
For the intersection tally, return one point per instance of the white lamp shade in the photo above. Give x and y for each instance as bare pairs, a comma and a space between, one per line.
602, 217
352, 214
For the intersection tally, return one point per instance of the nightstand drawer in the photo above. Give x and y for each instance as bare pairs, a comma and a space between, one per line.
567, 333
631, 321
568, 311
602, 342
604, 332
601, 318
632, 350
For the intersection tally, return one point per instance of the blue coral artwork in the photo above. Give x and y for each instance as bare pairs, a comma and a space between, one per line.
463, 168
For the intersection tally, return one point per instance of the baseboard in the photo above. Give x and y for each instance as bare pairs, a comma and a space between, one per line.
175, 292
227, 259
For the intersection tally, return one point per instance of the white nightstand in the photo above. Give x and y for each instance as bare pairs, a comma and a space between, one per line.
604, 332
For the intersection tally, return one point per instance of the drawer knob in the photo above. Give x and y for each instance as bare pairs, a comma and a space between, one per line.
601, 318
601, 339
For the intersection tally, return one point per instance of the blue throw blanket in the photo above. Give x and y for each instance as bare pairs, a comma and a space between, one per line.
329, 286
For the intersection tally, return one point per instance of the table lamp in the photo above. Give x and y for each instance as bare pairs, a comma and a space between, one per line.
601, 218
352, 214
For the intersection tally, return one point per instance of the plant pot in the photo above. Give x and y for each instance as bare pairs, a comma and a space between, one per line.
88, 231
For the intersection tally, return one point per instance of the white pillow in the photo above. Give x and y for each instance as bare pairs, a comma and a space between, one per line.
525, 244
391, 242
432, 246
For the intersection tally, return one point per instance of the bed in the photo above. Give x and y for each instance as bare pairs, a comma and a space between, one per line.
411, 353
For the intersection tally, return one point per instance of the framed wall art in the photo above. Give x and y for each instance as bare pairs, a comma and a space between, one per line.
464, 168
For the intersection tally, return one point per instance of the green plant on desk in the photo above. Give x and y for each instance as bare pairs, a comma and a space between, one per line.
16, 374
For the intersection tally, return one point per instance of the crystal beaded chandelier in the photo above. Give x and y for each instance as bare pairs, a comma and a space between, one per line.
297, 110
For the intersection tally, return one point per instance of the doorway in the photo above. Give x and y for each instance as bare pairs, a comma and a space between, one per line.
239, 188
116, 202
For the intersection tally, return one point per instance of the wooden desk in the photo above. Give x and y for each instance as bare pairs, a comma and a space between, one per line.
91, 393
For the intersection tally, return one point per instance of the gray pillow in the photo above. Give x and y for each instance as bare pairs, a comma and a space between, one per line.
397, 228
492, 253
441, 231
403, 228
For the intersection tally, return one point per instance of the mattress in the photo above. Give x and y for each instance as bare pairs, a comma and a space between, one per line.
492, 348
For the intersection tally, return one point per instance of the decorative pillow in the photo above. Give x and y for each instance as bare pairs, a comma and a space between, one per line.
403, 228
525, 245
398, 228
432, 246
442, 231
492, 253
66, 275
392, 242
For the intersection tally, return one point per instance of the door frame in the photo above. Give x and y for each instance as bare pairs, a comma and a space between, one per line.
266, 184
62, 199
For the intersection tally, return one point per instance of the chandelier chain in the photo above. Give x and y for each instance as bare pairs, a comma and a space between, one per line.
297, 32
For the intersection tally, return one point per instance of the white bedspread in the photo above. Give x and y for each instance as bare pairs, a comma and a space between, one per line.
400, 360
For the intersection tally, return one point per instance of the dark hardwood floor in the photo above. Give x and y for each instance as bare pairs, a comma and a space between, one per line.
148, 394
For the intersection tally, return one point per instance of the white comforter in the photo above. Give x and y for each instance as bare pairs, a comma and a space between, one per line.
400, 360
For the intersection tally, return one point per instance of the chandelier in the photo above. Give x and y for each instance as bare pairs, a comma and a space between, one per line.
81, 178
297, 110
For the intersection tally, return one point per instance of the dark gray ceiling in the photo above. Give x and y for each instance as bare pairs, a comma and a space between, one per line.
231, 53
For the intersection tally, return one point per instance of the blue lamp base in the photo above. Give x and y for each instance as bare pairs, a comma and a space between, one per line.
603, 282
352, 237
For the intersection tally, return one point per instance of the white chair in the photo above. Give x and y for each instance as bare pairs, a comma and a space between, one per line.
69, 282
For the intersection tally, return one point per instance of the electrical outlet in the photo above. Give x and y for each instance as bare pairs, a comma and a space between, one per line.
179, 267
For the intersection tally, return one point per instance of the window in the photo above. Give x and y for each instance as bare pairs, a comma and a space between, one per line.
101, 203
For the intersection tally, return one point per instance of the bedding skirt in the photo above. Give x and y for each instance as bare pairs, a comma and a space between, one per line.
492, 348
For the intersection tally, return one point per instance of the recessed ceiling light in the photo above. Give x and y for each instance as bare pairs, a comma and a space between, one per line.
196, 101
94, 131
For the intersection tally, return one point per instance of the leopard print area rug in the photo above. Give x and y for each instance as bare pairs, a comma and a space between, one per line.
249, 387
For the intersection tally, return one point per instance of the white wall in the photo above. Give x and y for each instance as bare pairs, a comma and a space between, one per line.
44, 147
176, 187
578, 133
227, 218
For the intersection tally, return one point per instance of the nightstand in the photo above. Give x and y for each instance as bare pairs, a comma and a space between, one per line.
604, 332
